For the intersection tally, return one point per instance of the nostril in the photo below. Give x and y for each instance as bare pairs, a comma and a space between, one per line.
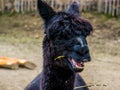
85, 50
86, 59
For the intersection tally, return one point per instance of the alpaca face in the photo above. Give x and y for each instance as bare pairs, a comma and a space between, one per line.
68, 32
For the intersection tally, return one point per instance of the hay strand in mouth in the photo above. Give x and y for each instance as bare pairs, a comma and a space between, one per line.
91, 85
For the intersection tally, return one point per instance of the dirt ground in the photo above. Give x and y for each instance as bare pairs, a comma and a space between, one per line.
22, 38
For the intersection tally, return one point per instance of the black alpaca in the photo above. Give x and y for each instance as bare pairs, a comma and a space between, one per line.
64, 49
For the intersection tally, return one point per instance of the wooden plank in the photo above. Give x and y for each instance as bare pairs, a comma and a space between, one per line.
15, 6
99, 7
106, 6
52, 3
28, 5
117, 7
113, 10
110, 6
22, 6
34, 5
85, 8
2, 4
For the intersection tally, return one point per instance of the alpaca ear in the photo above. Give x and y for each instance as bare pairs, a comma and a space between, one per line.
74, 8
88, 28
45, 11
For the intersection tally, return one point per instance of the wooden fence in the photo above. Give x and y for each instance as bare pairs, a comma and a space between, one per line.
25, 5
111, 7
18, 5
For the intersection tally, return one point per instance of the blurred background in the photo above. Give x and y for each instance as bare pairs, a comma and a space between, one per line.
111, 7
21, 35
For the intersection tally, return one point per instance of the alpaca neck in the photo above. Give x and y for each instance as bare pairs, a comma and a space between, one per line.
56, 78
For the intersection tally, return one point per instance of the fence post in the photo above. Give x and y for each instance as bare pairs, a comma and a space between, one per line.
28, 5
25, 5
117, 7
113, 7
2, 5
106, 6
32, 5
36, 5
52, 3
22, 6
110, 7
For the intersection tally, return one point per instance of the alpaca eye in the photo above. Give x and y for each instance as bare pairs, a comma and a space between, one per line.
78, 32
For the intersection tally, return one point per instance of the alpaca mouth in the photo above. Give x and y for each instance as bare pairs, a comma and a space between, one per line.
76, 66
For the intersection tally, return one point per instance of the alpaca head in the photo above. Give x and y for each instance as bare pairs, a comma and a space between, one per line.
68, 32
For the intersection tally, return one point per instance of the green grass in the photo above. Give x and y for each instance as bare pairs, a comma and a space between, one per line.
20, 27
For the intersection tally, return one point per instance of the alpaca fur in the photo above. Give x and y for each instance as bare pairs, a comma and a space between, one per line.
65, 37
